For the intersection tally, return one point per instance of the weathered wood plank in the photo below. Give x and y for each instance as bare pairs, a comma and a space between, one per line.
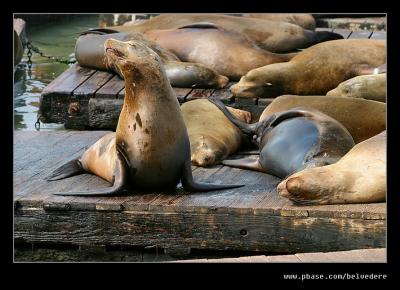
111, 89
197, 230
92, 84
199, 94
104, 113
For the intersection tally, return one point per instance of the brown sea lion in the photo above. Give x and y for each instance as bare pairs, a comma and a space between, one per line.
229, 53
358, 177
150, 149
304, 20
274, 36
89, 52
371, 87
292, 140
362, 118
212, 136
314, 71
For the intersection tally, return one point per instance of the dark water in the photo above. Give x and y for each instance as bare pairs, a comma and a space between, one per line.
55, 38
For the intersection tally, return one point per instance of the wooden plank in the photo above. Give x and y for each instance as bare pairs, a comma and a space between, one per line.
104, 113
111, 88
378, 35
93, 84
360, 34
344, 32
200, 94
218, 231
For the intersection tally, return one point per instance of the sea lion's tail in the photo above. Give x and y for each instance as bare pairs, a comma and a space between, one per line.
69, 169
247, 129
321, 36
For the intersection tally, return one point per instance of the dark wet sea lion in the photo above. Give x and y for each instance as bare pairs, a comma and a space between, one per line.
89, 52
314, 71
274, 36
362, 118
304, 20
229, 53
150, 150
212, 136
292, 140
358, 177
370, 87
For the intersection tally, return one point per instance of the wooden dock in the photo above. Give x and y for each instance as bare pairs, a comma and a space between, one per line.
251, 218
354, 256
83, 98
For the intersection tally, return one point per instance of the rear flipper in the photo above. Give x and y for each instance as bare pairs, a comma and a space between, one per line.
120, 181
245, 163
69, 169
190, 185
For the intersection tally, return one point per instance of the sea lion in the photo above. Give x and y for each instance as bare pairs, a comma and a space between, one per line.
274, 36
358, 177
362, 118
212, 136
292, 140
228, 52
371, 87
307, 21
89, 52
150, 149
314, 71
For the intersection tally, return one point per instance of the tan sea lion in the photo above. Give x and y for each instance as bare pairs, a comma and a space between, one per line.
358, 177
274, 36
228, 52
304, 20
150, 149
292, 140
314, 71
371, 87
212, 136
362, 118
18, 49
89, 52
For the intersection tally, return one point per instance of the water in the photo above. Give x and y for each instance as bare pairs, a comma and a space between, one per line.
55, 39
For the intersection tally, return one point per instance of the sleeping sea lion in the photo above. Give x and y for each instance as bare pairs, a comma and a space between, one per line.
362, 118
212, 136
371, 87
314, 71
292, 140
274, 36
307, 21
150, 149
89, 52
358, 177
228, 52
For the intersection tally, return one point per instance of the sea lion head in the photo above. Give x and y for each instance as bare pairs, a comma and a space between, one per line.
132, 58
257, 83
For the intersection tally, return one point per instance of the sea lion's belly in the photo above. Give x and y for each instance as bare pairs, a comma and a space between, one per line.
155, 142
286, 147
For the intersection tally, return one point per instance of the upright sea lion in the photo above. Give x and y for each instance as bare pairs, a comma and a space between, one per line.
314, 71
358, 177
274, 36
150, 149
292, 140
212, 136
362, 118
229, 53
307, 21
371, 87
89, 52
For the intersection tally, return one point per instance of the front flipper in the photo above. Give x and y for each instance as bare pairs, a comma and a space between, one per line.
119, 184
245, 163
190, 185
